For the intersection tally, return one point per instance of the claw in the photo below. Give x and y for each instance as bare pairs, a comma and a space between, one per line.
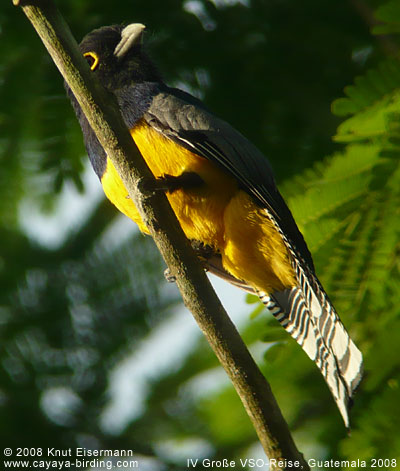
169, 276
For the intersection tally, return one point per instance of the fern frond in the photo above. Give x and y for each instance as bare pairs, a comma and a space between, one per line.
369, 89
372, 123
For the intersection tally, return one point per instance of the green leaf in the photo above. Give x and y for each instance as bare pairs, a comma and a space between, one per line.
369, 88
257, 311
274, 352
274, 334
372, 123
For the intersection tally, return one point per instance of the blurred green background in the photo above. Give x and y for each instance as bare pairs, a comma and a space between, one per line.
96, 349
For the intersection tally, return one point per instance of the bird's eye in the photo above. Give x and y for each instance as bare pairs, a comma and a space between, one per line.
92, 59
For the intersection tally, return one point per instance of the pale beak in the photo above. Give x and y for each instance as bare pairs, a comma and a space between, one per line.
131, 35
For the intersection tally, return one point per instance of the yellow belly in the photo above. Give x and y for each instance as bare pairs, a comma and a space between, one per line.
254, 250
217, 213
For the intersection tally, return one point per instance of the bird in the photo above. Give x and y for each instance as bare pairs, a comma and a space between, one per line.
222, 189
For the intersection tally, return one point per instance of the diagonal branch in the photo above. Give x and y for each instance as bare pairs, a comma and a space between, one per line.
197, 293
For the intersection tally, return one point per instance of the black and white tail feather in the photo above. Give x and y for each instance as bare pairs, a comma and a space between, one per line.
307, 314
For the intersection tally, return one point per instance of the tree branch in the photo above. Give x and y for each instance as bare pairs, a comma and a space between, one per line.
104, 117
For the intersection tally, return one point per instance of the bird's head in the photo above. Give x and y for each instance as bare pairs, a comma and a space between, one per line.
115, 54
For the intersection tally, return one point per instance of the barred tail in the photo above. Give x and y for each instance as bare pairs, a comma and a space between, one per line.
309, 317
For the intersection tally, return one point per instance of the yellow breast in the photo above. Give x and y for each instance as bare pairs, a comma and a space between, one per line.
199, 210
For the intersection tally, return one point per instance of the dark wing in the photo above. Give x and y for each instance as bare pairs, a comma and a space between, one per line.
199, 131
305, 310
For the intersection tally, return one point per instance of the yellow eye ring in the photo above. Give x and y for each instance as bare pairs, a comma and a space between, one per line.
93, 59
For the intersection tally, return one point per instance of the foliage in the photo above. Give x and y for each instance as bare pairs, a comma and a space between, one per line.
72, 314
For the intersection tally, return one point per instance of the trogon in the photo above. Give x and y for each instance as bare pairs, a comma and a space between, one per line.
222, 190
